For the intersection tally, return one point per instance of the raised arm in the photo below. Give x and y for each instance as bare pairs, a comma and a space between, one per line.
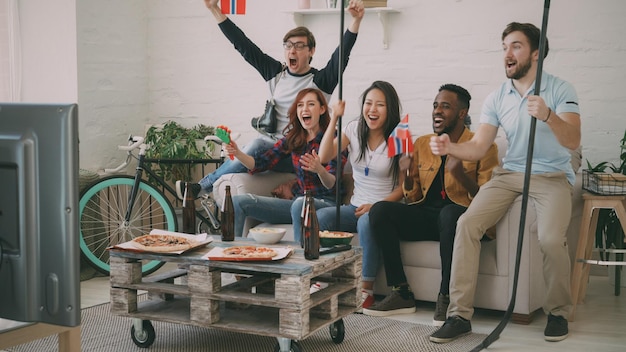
357, 10
328, 146
215, 10
472, 150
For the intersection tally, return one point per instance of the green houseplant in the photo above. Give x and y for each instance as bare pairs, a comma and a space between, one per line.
174, 141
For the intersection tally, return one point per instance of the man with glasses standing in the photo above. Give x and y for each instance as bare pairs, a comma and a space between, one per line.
285, 81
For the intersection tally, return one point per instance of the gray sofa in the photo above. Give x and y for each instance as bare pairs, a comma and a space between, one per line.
421, 259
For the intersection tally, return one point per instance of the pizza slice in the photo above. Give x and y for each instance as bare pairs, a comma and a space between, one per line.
249, 252
162, 243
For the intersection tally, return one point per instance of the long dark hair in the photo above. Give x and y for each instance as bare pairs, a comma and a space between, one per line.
393, 118
294, 132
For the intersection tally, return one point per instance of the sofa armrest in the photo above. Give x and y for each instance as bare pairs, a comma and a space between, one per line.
260, 184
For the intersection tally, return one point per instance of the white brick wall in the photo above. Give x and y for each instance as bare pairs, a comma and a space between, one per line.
146, 61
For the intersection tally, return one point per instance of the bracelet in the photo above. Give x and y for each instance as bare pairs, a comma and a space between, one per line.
549, 114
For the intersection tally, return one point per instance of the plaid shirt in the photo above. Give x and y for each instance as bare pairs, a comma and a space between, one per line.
306, 180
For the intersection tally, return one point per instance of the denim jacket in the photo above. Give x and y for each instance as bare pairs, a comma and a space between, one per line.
426, 165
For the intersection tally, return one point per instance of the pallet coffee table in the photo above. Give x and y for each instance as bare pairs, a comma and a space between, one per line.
271, 298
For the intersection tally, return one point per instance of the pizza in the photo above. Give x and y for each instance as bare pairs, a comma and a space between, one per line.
249, 252
162, 243
330, 234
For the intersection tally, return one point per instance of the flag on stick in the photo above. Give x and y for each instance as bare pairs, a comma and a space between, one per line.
399, 141
233, 7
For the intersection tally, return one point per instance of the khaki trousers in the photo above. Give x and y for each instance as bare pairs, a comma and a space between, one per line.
552, 197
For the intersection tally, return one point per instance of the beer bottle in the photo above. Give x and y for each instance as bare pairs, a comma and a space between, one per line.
228, 217
189, 211
311, 232
307, 194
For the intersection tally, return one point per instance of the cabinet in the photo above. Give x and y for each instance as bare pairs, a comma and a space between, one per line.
382, 13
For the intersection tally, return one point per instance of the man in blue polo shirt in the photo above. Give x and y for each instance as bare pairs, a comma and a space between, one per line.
512, 107
285, 81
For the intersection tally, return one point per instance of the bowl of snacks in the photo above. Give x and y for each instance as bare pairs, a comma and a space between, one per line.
332, 238
267, 235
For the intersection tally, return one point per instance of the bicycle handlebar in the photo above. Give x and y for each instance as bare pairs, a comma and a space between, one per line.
136, 143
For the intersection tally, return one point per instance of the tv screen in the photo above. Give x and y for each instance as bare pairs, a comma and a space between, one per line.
39, 250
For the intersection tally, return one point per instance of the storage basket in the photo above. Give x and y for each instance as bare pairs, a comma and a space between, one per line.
375, 3
604, 183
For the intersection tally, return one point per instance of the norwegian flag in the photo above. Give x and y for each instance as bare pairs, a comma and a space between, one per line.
399, 141
234, 7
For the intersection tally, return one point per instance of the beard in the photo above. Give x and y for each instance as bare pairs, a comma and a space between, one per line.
521, 71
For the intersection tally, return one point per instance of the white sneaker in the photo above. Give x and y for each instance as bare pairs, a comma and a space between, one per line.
318, 285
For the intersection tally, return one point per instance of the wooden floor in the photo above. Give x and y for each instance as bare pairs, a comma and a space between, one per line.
600, 322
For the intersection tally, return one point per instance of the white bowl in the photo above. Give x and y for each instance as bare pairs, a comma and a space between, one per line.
267, 235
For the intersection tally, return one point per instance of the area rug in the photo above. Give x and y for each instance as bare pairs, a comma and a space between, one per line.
103, 332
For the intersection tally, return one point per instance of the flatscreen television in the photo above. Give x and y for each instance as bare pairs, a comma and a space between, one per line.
39, 244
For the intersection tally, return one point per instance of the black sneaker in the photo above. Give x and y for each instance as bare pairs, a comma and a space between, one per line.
394, 303
441, 308
556, 329
453, 327
180, 189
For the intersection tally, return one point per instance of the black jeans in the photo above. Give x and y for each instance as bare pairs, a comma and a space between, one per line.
393, 222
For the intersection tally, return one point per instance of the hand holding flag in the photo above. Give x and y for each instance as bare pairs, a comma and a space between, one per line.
399, 141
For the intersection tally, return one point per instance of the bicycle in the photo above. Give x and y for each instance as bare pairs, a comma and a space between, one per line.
117, 208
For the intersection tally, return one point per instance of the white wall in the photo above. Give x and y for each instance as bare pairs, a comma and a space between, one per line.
152, 60
112, 77
48, 41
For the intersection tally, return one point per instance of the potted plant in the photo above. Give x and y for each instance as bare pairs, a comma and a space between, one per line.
173, 141
609, 232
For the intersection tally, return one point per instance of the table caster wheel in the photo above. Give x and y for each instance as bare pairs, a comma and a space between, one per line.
145, 337
337, 331
295, 347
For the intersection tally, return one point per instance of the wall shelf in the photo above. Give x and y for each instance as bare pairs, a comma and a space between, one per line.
382, 12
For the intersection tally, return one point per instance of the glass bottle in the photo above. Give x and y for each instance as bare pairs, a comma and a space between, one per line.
311, 232
305, 201
189, 211
228, 217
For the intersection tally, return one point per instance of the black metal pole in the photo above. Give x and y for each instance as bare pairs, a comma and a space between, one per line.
495, 334
339, 172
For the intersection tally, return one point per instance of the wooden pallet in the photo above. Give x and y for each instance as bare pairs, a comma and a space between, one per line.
270, 299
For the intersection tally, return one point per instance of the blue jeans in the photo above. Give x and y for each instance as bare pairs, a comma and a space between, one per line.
266, 209
255, 148
349, 223
296, 211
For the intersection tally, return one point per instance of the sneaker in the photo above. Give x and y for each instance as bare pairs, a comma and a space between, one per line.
394, 303
453, 327
368, 300
441, 308
556, 329
180, 189
318, 285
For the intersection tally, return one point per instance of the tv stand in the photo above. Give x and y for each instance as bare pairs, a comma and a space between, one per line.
69, 337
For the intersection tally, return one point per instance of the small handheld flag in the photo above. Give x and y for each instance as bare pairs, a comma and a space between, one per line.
222, 132
233, 7
399, 141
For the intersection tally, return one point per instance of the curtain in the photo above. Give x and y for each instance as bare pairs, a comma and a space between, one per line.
10, 52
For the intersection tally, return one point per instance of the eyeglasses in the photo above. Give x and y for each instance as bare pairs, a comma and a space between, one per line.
299, 45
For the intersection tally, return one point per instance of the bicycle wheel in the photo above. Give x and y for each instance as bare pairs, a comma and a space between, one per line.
103, 208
